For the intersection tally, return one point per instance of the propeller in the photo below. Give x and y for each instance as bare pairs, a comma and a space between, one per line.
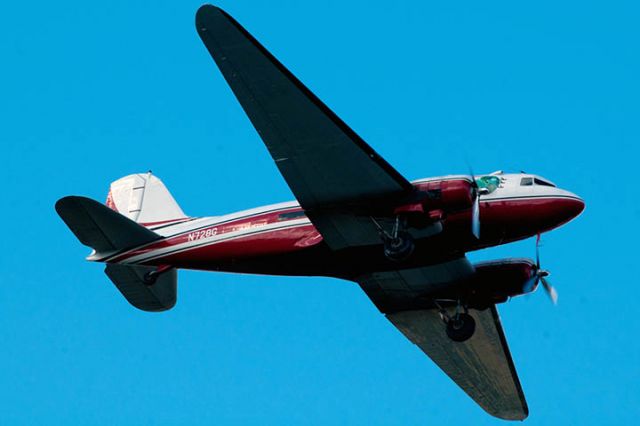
540, 275
475, 208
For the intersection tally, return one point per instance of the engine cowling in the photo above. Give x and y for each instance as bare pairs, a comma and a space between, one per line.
448, 195
496, 281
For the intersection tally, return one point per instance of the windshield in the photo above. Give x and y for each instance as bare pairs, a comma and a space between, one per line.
491, 183
542, 182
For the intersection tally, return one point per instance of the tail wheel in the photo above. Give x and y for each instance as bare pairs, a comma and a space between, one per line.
150, 278
461, 327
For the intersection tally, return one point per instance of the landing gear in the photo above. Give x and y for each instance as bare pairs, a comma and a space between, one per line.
150, 278
398, 245
460, 326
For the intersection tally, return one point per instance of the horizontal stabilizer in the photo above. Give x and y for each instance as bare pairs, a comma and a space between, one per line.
99, 227
130, 280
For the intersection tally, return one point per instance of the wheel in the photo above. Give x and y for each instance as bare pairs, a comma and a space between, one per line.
461, 327
399, 248
150, 279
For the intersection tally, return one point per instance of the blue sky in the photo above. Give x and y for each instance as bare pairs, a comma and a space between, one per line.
92, 91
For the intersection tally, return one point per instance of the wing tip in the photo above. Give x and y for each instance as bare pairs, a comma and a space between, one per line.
511, 413
205, 12
64, 204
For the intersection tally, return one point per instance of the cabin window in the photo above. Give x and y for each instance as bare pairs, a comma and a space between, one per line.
526, 181
291, 215
490, 183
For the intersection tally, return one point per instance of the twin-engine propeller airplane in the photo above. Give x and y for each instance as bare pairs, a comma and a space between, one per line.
356, 218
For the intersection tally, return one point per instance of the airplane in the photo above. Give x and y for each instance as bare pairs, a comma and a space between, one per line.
356, 218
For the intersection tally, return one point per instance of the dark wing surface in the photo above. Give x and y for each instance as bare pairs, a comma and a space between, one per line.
481, 366
324, 162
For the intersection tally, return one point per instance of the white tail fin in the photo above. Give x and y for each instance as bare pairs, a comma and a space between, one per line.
143, 198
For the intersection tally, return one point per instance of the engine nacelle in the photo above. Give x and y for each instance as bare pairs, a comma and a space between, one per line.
448, 195
496, 281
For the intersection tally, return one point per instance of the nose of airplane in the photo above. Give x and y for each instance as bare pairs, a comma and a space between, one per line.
575, 206
567, 207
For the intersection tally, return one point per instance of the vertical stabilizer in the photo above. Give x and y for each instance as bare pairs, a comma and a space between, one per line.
142, 197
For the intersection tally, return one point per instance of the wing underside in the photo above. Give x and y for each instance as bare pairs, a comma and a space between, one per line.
321, 158
328, 167
481, 366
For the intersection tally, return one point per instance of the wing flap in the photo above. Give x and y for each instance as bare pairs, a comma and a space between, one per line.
481, 366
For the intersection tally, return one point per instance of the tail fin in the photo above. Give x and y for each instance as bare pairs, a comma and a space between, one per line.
143, 198
107, 232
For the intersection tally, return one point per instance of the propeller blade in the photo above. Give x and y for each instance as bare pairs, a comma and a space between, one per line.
553, 294
538, 252
475, 208
475, 217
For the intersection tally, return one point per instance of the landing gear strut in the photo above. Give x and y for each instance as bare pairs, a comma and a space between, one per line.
398, 245
459, 327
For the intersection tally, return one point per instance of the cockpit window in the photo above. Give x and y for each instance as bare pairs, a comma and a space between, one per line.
526, 181
542, 182
490, 183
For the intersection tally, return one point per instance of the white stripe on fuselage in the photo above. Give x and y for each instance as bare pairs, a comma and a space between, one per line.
224, 237
180, 228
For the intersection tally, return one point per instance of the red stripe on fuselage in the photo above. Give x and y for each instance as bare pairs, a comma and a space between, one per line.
217, 229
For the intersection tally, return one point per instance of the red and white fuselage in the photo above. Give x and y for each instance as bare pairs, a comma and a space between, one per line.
252, 241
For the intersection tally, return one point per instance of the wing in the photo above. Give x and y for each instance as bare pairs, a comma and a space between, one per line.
402, 289
481, 366
325, 163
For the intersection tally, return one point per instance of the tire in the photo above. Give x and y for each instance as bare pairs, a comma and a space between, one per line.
461, 327
400, 248
149, 279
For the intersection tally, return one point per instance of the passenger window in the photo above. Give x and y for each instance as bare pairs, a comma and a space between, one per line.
291, 215
490, 183
526, 181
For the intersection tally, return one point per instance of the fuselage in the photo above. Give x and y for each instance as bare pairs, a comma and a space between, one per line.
279, 239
